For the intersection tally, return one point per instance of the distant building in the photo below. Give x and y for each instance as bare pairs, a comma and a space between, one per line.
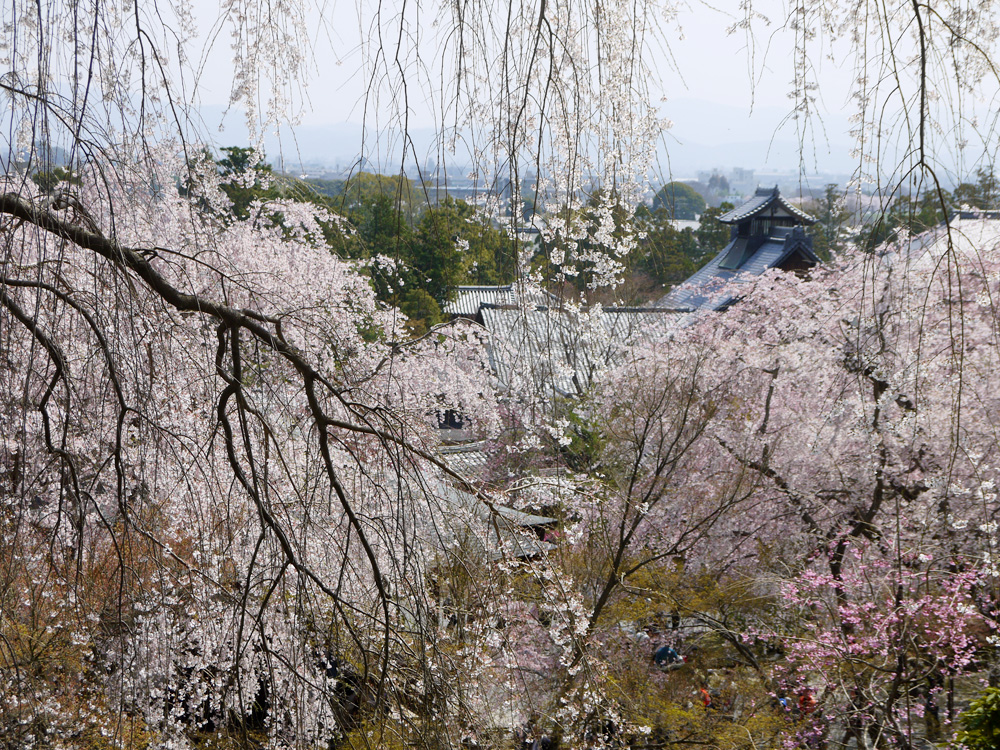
556, 349
469, 301
741, 180
767, 232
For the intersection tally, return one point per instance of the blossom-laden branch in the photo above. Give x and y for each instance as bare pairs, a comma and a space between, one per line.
292, 419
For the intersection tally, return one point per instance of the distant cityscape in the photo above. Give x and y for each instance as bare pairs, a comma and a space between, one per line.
717, 184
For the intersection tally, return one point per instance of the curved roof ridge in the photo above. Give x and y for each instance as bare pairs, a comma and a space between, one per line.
762, 199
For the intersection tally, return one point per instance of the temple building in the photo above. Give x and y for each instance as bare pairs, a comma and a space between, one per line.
767, 232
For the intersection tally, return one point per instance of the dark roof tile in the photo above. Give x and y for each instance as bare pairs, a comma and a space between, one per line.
704, 289
763, 198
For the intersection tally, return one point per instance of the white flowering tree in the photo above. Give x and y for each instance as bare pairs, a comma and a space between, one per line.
222, 519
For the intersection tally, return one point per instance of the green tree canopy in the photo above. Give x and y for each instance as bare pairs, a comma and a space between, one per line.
983, 194
435, 257
712, 234
832, 216
668, 255
421, 309
680, 200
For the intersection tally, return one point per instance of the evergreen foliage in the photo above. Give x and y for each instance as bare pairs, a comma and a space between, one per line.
680, 201
980, 722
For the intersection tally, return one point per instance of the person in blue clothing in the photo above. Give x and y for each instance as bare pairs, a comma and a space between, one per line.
666, 657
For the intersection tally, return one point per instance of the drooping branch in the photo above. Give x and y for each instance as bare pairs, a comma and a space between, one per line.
235, 326
229, 319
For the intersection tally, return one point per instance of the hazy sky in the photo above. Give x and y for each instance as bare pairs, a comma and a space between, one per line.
716, 65
716, 87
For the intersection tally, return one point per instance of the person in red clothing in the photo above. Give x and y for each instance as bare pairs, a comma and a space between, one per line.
706, 699
807, 702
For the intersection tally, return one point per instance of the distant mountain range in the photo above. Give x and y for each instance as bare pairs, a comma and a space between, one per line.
705, 135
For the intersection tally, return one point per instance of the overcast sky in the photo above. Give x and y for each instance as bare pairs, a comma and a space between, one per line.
719, 89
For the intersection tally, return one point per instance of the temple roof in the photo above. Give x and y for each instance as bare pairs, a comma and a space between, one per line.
468, 300
559, 350
763, 200
712, 286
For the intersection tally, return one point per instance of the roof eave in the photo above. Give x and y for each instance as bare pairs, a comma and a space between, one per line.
735, 217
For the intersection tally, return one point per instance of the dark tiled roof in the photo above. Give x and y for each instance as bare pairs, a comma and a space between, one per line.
737, 254
702, 289
762, 199
708, 288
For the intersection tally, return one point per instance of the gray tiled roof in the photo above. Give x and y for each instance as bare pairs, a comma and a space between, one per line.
560, 350
468, 460
545, 345
627, 324
705, 288
763, 198
499, 531
468, 299
469, 504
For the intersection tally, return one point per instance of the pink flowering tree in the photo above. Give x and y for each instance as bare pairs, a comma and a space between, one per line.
865, 417
884, 640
